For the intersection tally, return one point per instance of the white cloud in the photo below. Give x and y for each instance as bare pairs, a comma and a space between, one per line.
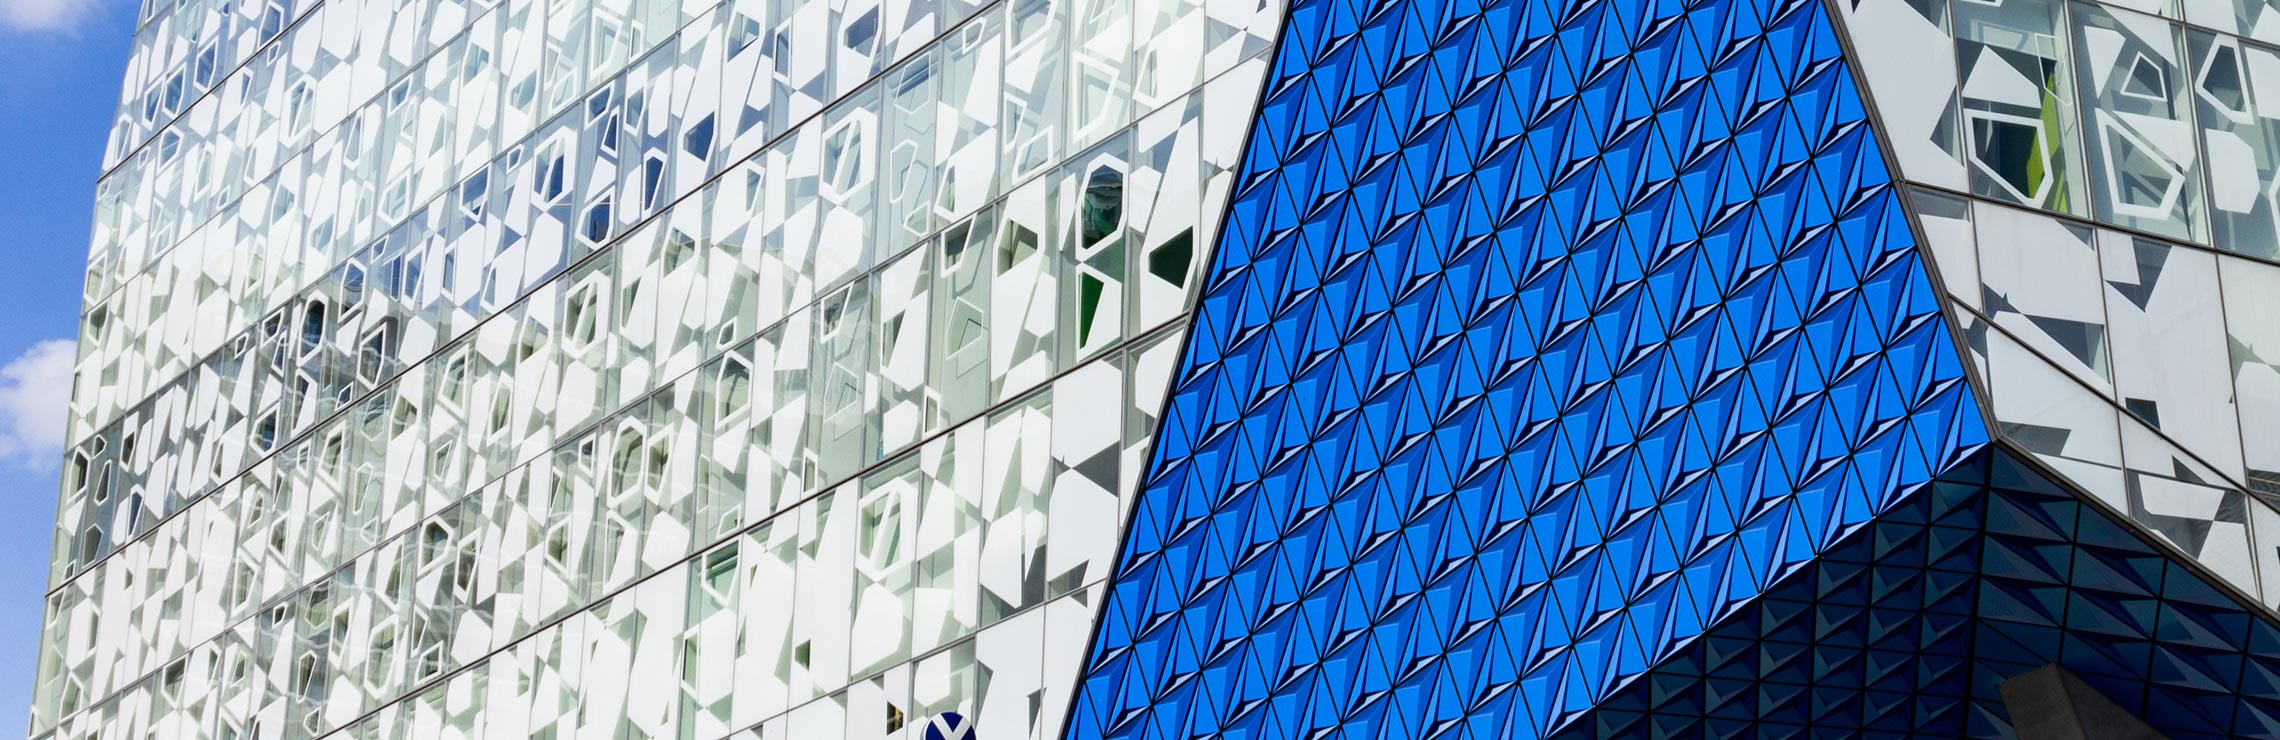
35, 400
45, 15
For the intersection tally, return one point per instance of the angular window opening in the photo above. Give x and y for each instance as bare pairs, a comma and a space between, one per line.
2014, 151
312, 327
862, 34
1169, 262
1103, 208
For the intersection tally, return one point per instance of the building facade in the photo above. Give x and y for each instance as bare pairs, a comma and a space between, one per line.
1080, 369
658, 369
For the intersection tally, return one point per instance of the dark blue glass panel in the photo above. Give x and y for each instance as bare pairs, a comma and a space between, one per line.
1906, 628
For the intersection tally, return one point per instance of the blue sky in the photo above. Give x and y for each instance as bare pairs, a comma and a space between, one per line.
60, 66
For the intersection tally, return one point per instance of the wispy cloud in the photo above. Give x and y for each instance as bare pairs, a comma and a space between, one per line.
46, 15
35, 398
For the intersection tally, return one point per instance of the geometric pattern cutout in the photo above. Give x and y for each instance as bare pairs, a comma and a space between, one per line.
1909, 627
2129, 366
2105, 273
1540, 337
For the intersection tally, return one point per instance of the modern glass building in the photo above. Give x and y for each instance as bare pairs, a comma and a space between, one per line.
1169, 369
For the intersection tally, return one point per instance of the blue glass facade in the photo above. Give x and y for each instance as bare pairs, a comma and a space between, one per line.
1541, 337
